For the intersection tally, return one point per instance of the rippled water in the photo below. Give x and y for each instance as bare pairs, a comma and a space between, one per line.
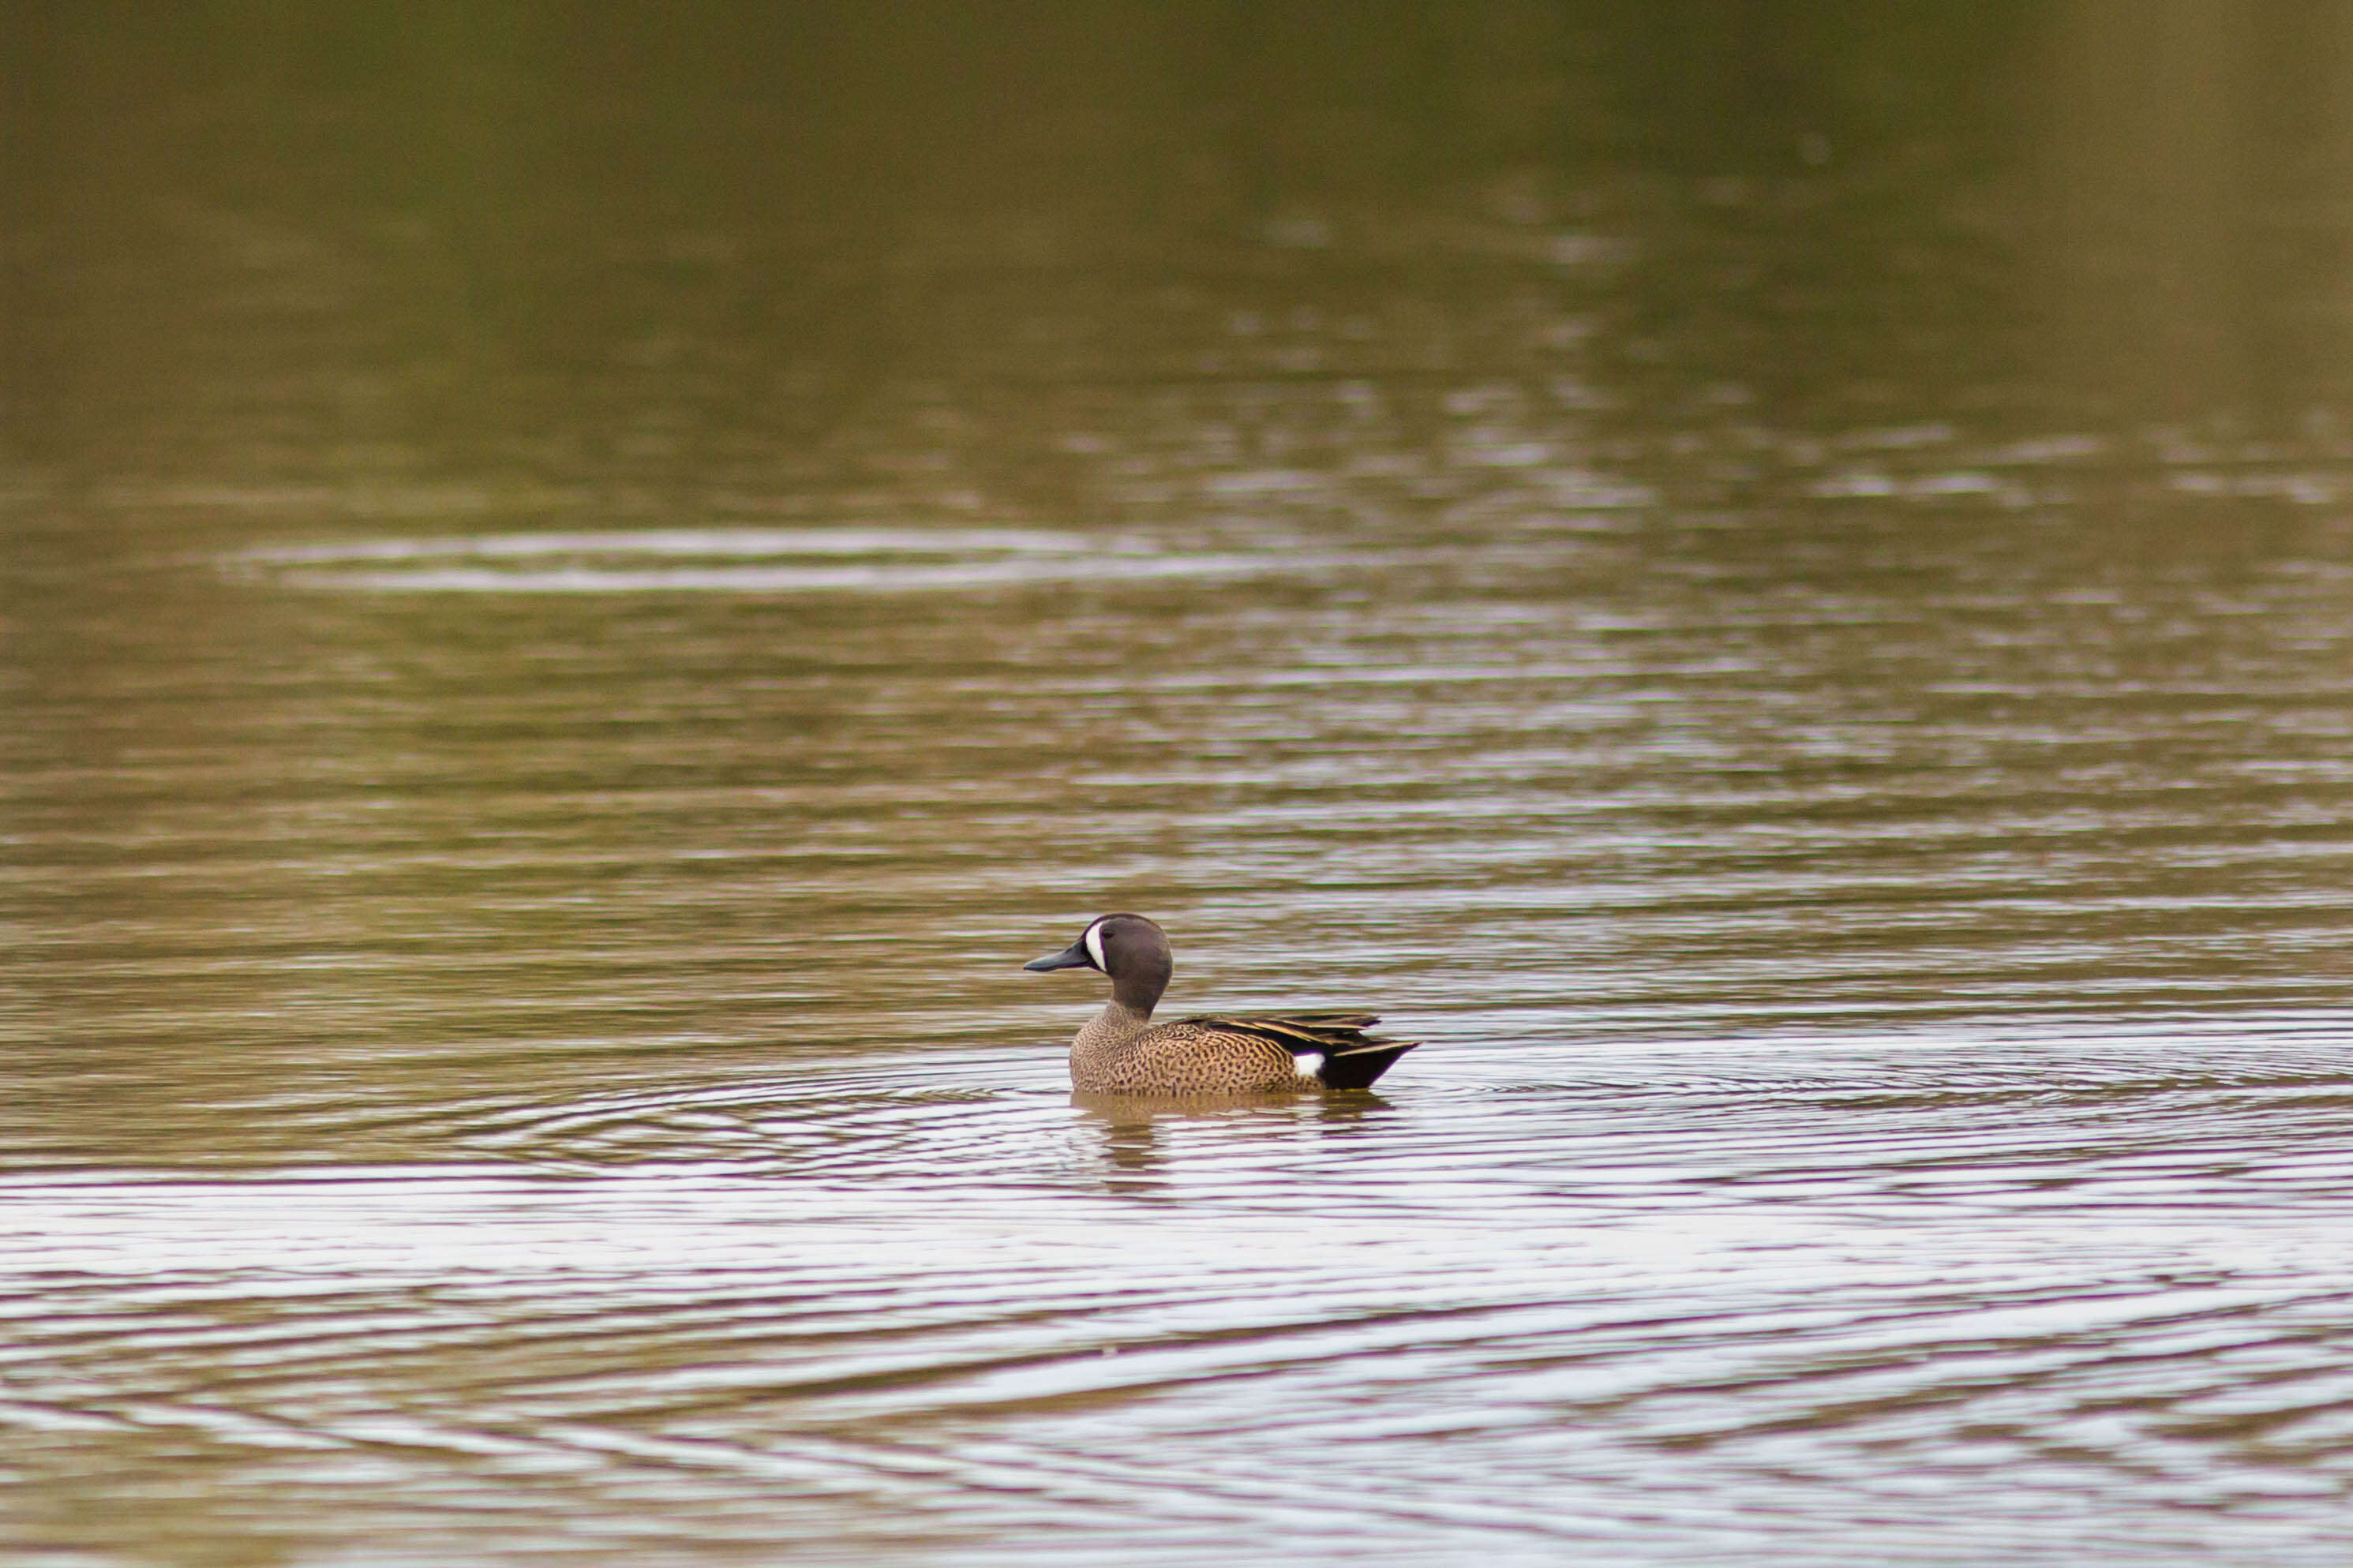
543, 719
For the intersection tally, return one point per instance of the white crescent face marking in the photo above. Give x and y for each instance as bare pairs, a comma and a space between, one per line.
1307, 1064
1095, 944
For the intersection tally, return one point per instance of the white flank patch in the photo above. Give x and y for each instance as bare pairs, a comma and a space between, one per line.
1307, 1064
1095, 944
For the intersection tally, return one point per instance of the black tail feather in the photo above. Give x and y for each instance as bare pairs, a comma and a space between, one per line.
1359, 1067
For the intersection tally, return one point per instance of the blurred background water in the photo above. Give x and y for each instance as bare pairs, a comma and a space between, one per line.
1773, 580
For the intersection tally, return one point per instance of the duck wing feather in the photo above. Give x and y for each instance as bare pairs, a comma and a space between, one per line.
1323, 1032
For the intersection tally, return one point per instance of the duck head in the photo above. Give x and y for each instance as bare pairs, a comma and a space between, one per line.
1130, 949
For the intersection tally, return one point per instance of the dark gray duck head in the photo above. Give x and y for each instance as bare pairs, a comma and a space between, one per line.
1128, 948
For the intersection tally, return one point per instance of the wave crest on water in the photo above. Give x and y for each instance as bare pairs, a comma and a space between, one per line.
735, 559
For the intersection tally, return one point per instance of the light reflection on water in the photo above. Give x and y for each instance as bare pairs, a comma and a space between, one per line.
1781, 1290
900, 561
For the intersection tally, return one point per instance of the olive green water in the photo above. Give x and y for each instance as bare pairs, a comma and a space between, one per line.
1774, 582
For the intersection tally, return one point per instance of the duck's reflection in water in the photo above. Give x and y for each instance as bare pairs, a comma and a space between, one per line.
1142, 1133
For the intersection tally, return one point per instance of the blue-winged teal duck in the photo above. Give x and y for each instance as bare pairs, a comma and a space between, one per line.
1123, 1051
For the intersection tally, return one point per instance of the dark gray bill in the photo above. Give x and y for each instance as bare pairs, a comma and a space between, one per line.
1071, 957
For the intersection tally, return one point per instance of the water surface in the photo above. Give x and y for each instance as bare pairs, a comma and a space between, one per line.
579, 602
